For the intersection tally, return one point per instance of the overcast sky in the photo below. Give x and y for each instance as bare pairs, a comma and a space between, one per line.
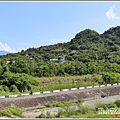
33, 24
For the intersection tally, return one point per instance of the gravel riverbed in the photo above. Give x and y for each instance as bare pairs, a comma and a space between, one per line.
54, 110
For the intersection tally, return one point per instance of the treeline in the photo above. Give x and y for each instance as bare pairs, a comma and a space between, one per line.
50, 69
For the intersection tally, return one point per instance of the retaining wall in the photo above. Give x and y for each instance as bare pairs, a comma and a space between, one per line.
34, 101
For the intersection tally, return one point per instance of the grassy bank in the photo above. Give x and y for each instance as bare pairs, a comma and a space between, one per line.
56, 83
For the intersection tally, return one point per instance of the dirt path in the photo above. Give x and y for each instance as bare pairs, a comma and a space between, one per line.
92, 103
37, 112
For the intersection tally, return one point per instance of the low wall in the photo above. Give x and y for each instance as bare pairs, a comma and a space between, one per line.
34, 101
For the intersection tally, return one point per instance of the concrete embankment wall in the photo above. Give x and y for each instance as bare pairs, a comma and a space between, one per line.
34, 101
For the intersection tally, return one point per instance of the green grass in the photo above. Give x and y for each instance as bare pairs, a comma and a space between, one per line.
68, 78
58, 85
9, 93
58, 104
64, 104
11, 112
106, 105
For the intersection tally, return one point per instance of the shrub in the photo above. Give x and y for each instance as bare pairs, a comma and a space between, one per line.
49, 104
41, 116
117, 102
5, 113
11, 112
6, 89
83, 110
58, 104
110, 105
14, 111
59, 114
14, 89
105, 105
48, 115
68, 111
79, 101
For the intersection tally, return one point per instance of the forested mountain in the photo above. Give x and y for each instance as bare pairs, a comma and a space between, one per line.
86, 46
87, 53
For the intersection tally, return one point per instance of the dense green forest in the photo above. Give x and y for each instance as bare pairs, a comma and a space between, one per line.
87, 53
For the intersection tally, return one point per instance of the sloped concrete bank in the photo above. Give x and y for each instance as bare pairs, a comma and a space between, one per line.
35, 101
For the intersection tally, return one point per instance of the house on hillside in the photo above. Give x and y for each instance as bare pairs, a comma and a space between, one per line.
61, 58
53, 60
10, 61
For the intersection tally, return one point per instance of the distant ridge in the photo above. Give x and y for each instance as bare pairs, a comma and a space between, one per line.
87, 46
3, 52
